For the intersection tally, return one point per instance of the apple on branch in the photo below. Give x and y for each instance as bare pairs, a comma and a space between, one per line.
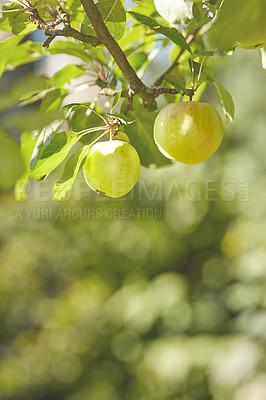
188, 132
112, 168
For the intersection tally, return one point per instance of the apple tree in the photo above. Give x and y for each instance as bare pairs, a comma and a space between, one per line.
115, 44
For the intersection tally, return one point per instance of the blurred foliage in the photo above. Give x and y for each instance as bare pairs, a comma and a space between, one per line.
99, 305
11, 164
240, 23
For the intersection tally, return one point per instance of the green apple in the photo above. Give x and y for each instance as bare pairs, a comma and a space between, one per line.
121, 136
188, 132
112, 168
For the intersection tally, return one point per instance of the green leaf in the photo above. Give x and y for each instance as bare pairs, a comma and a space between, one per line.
7, 47
141, 136
200, 16
31, 85
11, 164
26, 52
16, 21
8, 18
114, 16
225, 100
171, 33
117, 98
70, 48
72, 168
236, 21
75, 12
138, 59
146, 7
53, 154
30, 119
84, 118
78, 50
64, 75
177, 81
134, 40
53, 100
86, 27
45, 138
28, 142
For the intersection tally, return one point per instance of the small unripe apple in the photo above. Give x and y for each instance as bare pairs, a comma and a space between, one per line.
121, 136
188, 132
112, 168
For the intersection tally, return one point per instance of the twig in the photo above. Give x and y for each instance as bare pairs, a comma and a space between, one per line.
151, 90
67, 31
129, 106
157, 91
112, 92
176, 61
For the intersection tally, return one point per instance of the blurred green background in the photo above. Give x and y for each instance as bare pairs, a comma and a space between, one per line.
158, 296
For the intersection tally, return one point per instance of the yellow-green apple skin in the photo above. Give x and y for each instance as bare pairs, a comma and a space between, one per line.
121, 136
112, 168
188, 132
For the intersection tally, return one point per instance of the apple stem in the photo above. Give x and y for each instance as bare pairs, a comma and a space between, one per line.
190, 93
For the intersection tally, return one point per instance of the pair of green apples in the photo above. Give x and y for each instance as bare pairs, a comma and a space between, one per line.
188, 132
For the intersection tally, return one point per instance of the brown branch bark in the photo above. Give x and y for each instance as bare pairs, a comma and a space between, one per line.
102, 32
151, 90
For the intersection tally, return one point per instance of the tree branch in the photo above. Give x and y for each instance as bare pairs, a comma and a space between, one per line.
159, 80
67, 31
136, 85
148, 94
112, 92
153, 91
